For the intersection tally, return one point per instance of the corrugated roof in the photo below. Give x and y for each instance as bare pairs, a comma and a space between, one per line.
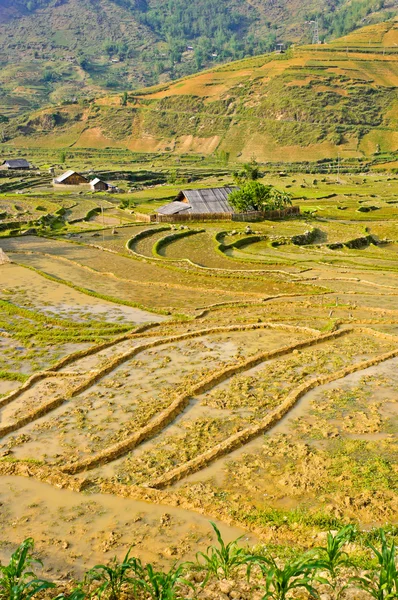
96, 180
210, 200
174, 208
17, 163
65, 175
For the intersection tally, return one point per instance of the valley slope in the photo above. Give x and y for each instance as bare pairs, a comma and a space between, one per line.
54, 50
310, 103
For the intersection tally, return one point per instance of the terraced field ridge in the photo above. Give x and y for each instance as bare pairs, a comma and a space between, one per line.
313, 102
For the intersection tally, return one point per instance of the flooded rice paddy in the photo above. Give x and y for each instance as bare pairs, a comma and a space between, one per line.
162, 392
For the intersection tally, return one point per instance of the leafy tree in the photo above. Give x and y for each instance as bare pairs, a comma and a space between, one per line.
255, 196
49, 76
249, 172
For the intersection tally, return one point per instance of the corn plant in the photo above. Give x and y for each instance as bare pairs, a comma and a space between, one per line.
382, 583
279, 581
222, 561
334, 559
17, 580
113, 578
163, 586
76, 594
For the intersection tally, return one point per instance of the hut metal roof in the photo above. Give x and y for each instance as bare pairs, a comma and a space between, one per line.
210, 200
17, 163
67, 174
174, 208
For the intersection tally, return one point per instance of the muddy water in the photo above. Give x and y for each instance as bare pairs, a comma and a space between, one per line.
53, 298
389, 368
75, 531
216, 471
8, 386
128, 397
32, 399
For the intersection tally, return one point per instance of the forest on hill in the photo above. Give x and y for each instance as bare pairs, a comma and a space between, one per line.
56, 50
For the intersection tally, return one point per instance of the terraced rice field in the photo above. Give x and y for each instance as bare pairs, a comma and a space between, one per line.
230, 372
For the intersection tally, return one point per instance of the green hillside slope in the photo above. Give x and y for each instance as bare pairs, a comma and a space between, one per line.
55, 50
310, 103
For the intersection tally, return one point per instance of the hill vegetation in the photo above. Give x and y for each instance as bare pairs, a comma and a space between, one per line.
327, 100
52, 51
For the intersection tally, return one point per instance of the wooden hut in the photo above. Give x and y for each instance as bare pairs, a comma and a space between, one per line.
70, 178
97, 185
17, 164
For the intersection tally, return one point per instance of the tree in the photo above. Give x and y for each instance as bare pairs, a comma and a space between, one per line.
255, 196
279, 200
250, 172
124, 99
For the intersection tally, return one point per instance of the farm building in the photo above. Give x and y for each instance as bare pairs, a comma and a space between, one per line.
70, 178
212, 204
16, 164
207, 201
97, 185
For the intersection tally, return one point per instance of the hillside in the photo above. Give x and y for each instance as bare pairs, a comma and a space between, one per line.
312, 102
55, 50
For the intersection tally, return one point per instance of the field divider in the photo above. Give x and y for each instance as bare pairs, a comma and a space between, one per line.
217, 270
31, 381
353, 280
67, 360
111, 365
177, 406
32, 416
180, 403
243, 437
87, 292
111, 275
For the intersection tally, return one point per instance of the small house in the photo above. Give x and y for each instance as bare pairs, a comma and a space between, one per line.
100, 186
206, 201
70, 178
16, 164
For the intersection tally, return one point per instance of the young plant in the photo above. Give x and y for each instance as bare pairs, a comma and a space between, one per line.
17, 580
76, 594
334, 559
382, 583
163, 586
114, 577
222, 561
279, 581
